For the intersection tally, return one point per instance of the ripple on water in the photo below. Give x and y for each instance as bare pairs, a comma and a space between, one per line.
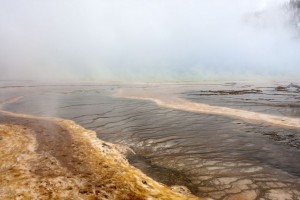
216, 156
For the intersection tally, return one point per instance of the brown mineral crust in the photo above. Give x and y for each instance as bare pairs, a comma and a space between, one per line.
57, 159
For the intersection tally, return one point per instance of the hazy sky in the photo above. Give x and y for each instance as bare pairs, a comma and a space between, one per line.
147, 40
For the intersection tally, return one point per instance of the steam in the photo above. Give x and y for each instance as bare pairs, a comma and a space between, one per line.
141, 40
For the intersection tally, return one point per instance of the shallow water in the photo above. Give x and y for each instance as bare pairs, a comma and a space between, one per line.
272, 98
214, 155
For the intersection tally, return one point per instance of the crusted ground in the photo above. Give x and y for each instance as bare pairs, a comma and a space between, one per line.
43, 158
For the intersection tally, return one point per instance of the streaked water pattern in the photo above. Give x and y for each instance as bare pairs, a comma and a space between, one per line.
215, 156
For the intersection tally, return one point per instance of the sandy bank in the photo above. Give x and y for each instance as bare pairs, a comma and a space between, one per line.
47, 158
173, 102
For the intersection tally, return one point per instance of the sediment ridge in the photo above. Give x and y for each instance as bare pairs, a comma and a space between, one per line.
185, 105
50, 158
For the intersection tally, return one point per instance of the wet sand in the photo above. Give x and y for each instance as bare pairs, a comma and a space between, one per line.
217, 155
44, 158
182, 104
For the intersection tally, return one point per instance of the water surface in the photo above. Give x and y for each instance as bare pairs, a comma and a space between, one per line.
214, 155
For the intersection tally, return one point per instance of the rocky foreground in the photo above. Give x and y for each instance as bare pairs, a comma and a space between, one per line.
47, 158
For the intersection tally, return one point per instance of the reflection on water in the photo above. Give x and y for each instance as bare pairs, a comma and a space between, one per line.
216, 156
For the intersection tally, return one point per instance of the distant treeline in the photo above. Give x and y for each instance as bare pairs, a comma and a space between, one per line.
295, 4
294, 7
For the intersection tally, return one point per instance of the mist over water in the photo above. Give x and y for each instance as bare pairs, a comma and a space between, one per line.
246, 144
148, 40
222, 139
